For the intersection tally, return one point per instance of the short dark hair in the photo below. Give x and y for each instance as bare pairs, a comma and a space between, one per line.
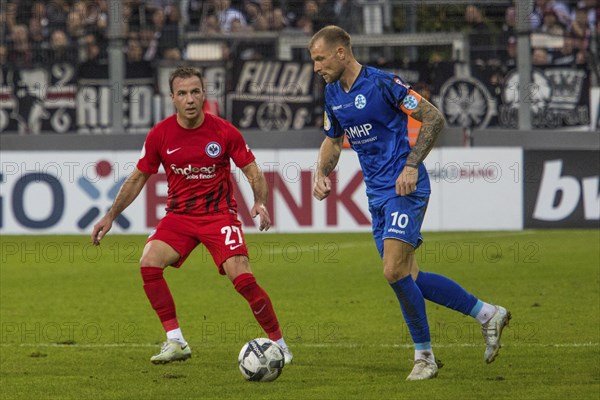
185, 72
332, 35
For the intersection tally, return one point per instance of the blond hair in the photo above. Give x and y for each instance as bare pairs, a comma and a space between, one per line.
332, 35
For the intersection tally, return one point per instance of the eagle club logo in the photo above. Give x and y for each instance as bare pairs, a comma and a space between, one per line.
213, 149
360, 101
466, 102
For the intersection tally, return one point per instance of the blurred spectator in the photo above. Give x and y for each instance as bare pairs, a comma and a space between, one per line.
540, 56
194, 13
227, 14
342, 14
136, 65
560, 9
211, 25
96, 17
91, 50
582, 50
566, 55
132, 14
510, 24
591, 6
135, 52
551, 25
39, 14
4, 24
165, 5
293, 11
172, 54
313, 18
480, 36
278, 22
511, 53
3, 61
169, 39
262, 15
164, 36
76, 25
20, 53
7, 22
252, 13
237, 26
537, 14
57, 11
61, 49
39, 43
580, 27
581, 58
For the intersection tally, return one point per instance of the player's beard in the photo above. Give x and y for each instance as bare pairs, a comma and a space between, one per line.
331, 77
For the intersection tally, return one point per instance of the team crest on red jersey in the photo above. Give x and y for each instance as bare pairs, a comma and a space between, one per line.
213, 149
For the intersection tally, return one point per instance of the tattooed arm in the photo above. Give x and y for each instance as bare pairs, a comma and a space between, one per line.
432, 122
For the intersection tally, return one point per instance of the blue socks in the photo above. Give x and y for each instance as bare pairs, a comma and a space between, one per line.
446, 292
438, 289
412, 304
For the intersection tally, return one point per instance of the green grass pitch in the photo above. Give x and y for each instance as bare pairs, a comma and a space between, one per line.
75, 323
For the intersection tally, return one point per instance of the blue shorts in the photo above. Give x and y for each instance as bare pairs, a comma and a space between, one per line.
399, 218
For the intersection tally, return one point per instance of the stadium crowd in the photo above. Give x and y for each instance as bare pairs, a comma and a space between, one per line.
35, 32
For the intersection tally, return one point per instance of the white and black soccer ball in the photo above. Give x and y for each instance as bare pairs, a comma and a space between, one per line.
261, 360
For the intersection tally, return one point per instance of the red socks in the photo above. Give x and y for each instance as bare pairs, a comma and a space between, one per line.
260, 304
160, 297
161, 300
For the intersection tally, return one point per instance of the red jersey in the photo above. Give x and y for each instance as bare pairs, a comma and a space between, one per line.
196, 162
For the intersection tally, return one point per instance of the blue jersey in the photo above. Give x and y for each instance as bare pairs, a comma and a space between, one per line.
370, 116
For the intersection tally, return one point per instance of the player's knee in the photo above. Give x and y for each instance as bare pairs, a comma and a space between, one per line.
151, 259
395, 272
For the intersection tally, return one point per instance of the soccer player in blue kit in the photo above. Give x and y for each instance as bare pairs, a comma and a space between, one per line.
371, 107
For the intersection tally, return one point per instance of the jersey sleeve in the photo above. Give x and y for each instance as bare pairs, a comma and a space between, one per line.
150, 157
331, 126
395, 91
238, 148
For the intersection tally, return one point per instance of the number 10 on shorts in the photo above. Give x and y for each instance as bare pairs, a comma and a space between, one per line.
400, 220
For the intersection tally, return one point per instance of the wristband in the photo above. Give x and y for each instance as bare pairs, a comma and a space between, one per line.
415, 166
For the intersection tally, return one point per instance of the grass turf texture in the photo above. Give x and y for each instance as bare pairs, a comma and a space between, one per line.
75, 322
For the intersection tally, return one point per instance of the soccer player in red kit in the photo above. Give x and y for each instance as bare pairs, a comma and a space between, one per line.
195, 150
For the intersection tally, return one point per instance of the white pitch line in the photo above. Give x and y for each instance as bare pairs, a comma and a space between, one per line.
330, 248
456, 236
315, 345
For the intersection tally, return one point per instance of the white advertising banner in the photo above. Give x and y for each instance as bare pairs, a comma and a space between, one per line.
475, 189
66, 192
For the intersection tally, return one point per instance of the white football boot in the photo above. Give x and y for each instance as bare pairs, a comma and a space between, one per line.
172, 350
287, 355
423, 370
492, 331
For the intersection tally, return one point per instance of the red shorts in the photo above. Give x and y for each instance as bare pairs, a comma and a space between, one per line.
221, 234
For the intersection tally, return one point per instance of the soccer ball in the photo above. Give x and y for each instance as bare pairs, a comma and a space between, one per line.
261, 360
